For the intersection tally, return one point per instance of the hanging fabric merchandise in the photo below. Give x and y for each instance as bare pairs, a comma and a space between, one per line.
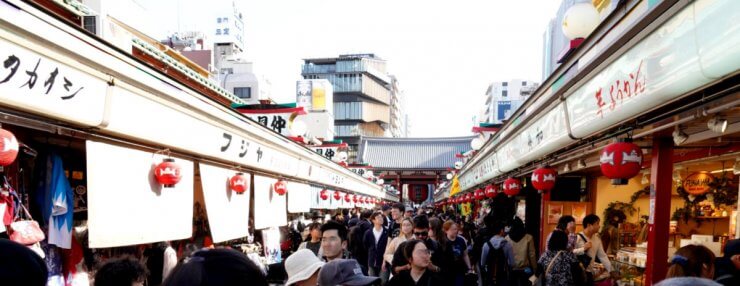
58, 204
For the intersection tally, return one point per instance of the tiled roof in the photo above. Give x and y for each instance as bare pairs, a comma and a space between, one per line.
412, 153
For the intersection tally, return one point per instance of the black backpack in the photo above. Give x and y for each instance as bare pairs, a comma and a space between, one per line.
497, 270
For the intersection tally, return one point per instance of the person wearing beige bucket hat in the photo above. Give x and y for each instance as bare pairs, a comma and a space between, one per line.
302, 268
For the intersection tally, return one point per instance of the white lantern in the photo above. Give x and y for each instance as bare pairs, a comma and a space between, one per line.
580, 20
458, 165
449, 176
342, 156
380, 181
369, 174
298, 128
476, 143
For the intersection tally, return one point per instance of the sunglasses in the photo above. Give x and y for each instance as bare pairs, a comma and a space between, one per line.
423, 233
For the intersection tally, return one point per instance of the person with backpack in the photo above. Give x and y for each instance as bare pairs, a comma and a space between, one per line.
497, 257
525, 259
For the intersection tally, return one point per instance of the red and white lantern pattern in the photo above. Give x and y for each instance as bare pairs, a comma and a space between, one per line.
337, 195
280, 187
491, 191
8, 147
621, 161
479, 194
543, 179
324, 195
168, 173
239, 183
512, 187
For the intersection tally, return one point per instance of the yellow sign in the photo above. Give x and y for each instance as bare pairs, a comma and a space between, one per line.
698, 183
455, 188
318, 94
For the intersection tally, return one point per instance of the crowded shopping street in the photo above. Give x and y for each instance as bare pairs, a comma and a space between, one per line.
379, 143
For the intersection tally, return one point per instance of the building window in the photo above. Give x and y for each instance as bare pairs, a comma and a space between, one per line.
243, 92
89, 24
524, 83
218, 20
226, 31
504, 93
504, 84
218, 31
227, 71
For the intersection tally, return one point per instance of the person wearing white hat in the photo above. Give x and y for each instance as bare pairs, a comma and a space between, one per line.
302, 268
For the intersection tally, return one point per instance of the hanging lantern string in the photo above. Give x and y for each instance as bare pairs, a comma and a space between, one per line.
165, 151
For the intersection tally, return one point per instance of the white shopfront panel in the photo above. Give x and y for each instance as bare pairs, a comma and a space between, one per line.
228, 212
269, 207
126, 205
299, 197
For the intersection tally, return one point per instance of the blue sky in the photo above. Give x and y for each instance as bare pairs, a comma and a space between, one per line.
444, 53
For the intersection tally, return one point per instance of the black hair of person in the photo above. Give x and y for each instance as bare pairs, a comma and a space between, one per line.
400, 207
564, 221
216, 267
590, 219
558, 241
122, 271
340, 228
421, 222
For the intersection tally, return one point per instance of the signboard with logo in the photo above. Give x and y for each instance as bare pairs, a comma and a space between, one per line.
698, 183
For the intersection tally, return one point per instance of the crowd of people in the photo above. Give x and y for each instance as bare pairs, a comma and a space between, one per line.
396, 246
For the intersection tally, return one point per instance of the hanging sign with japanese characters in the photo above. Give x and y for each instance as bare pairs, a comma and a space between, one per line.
329, 151
36, 83
279, 120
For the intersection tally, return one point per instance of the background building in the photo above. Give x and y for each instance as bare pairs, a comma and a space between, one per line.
398, 126
503, 98
362, 95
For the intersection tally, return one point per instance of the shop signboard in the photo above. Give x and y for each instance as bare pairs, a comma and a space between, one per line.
278, 120
698, 183
34, 82
691, 49
547, 134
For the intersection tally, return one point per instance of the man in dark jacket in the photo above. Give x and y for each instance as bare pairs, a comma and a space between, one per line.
375, 240
356, 246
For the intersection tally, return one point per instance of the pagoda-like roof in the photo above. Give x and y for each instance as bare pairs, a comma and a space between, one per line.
385, 153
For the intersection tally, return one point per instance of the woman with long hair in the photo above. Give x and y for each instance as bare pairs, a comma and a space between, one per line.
407, 232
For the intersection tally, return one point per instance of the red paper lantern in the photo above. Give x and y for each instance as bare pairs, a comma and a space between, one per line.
8, 147
239, 183
168, 173
280, 187
620, 161
543, 179
337, 195
512, 187
347, 198
491, 191
324, 195
355, 199
479, 195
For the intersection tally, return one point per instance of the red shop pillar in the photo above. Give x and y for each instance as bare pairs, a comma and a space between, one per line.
661, 176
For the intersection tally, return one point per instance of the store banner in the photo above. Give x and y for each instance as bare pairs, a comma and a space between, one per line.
269, 207
299, 198
228, 212
695, 47
127, 206
278, 120
37, 83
